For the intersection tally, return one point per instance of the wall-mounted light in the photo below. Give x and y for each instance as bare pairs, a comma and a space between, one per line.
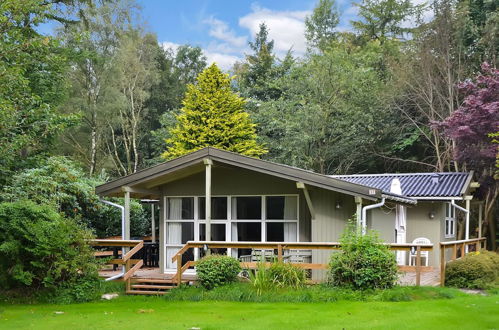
431, 215
338, 205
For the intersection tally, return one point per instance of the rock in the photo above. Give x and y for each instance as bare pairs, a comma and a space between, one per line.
58, 312
109, 296
473, 291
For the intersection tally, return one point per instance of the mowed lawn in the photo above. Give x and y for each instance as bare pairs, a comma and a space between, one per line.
471, 312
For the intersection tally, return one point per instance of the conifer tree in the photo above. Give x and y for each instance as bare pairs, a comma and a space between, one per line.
213, 115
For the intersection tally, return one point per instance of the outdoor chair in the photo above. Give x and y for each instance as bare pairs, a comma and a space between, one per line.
424, 254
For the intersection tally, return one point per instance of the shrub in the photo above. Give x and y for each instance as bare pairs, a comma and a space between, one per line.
363, 263
478, 270
61, 183
278, 275
40, 249
285, 275
217, 270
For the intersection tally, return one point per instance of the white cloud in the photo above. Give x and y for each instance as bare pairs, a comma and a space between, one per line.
221, 31
224, 61
286, 28
169, 45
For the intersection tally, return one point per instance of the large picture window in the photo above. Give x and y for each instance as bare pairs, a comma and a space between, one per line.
271, 218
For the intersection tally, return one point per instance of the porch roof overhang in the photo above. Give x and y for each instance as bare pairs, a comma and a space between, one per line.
145, 183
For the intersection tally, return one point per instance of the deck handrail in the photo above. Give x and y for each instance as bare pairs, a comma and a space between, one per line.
281, 246
463, 244
131, 265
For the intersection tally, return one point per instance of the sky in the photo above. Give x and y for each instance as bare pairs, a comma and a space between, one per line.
222, 28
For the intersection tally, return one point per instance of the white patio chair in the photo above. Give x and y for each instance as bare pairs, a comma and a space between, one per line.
424, 254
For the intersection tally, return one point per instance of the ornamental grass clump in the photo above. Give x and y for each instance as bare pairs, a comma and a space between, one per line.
217, 270
477, 270
363, 263
278, 275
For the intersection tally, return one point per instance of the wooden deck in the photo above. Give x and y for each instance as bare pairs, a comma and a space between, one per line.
428, 278
148, 273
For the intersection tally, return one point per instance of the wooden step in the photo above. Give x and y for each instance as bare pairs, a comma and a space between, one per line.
146, 292
151, 286
153, 280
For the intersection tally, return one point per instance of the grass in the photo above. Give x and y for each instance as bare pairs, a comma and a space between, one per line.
245, 292
465, 311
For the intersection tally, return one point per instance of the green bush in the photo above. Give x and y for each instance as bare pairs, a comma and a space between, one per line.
363, 263
61, 183
40, 250
278, 275
478, 270
217, 270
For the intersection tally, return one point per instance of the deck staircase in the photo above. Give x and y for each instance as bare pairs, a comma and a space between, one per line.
150, 286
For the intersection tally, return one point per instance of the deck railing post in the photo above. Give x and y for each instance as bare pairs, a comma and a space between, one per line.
179, 269
454, 252
442, 265
463, 251
418, 265
279, 253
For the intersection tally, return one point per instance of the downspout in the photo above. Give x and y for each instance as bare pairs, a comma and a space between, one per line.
122, 208
363, 220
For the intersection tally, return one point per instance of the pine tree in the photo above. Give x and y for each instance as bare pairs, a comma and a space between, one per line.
213, 115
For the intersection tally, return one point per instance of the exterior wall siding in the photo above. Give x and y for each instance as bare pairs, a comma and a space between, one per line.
329, 222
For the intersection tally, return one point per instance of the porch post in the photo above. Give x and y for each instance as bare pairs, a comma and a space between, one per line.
358, 202
480, 219
153, 224
208, 163
127, 216
467, 229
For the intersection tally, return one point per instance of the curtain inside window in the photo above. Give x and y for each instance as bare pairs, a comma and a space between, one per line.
290, 232
290, 208
174, 208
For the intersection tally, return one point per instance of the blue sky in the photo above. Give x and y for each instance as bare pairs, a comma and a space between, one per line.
223, 27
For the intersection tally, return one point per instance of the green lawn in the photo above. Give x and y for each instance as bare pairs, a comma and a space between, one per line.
470, 312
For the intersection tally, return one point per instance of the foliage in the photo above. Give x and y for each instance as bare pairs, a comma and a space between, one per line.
32, 84
213, 115
42, 249
469, 127
246, 292
63, 185
278, 275
479, 270
320, 26
217, 270
363, 262
384, 19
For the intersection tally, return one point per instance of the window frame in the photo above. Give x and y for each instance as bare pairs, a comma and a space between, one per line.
450, 221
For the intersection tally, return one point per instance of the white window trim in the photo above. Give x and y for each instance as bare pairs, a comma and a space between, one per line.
229, 221
450, 217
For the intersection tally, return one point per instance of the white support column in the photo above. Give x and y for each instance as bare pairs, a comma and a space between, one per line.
208, 163
153, 224
127, 219
467, 224
127, 215
480, 219
162, 234
358, 202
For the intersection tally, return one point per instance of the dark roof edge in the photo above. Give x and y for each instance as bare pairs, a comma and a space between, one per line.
262, 166
467, 183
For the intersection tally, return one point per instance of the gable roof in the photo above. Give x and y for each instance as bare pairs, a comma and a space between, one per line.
445, 185
170, 168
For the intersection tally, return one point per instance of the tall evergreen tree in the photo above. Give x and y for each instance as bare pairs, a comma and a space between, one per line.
213, 115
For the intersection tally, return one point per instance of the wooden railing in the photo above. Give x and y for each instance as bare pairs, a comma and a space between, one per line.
282, 246
131, 265
464, 248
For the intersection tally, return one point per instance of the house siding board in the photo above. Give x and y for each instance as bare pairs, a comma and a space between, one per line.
329, 223
418, 225
450, 184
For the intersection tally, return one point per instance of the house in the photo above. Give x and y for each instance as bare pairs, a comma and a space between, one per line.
254, 200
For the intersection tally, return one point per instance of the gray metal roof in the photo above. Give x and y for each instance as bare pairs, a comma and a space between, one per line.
417, 185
